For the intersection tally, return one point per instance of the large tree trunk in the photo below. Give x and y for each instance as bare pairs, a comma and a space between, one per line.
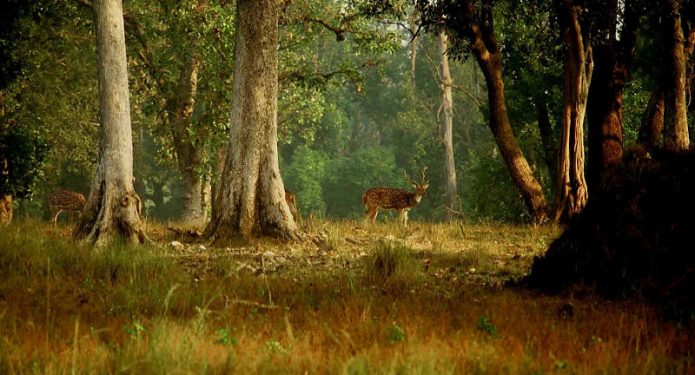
605, 105
518, 166
113, 207
446, 120
189, 148
572, 194
676, 137
489, 57
251, 197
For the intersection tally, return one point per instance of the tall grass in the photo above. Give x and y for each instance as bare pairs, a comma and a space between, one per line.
65, 308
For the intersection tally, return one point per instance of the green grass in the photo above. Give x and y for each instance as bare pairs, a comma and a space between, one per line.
350, 299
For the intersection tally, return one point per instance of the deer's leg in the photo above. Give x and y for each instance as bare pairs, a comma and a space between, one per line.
55, 213
405, 218
371, 214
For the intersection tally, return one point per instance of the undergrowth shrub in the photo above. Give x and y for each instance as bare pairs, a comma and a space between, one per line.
394, 266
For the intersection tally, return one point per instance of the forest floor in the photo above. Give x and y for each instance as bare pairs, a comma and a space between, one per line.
346, 299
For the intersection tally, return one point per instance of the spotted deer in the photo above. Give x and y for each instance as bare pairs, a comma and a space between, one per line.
291, 200
394, 199
65, 200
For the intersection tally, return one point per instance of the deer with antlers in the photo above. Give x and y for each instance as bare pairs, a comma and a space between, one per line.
394, 199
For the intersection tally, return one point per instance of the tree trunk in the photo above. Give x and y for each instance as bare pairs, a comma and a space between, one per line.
251, 197
113, 207
676, 137
189, 149
446, 119
605, 106
519, 169
545, 129
413, 47
572, 192
653, 119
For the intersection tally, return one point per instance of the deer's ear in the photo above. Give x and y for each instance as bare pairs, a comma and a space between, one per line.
414, 185
426, 186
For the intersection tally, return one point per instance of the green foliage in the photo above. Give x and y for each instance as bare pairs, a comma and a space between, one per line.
21, 156
396, 333
225, 338
485, 325
305, 176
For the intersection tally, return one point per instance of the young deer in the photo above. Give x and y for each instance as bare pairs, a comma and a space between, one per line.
65, 200
291, 200
394, 199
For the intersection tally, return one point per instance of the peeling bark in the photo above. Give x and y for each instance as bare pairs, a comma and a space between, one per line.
251, 198
113, 208
572, 193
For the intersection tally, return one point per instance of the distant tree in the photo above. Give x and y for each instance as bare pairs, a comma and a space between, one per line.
21, 157
113, 207
446, 125
471, 26
250, 198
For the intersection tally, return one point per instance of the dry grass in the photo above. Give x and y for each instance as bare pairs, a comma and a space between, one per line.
348, 299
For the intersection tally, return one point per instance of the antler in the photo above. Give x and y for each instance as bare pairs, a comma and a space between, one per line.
408, 179
424, 175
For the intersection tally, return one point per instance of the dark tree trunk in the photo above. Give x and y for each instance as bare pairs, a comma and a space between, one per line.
113, 207
251, 197
652, 125
605, 106
489, 58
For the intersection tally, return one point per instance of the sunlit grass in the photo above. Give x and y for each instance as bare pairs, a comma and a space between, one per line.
351, 298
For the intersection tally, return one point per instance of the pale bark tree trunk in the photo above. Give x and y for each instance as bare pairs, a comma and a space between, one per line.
189, 148
413, 47
113, 207
676, 137
251, 198
446, 121
572, 193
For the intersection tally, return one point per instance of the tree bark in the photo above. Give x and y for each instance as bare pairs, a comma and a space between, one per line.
676, 137
572, 194
545, 129
251, 197
489, 58
187, 144
605, 105
446, 120
413, 48
652, 125
113, 207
